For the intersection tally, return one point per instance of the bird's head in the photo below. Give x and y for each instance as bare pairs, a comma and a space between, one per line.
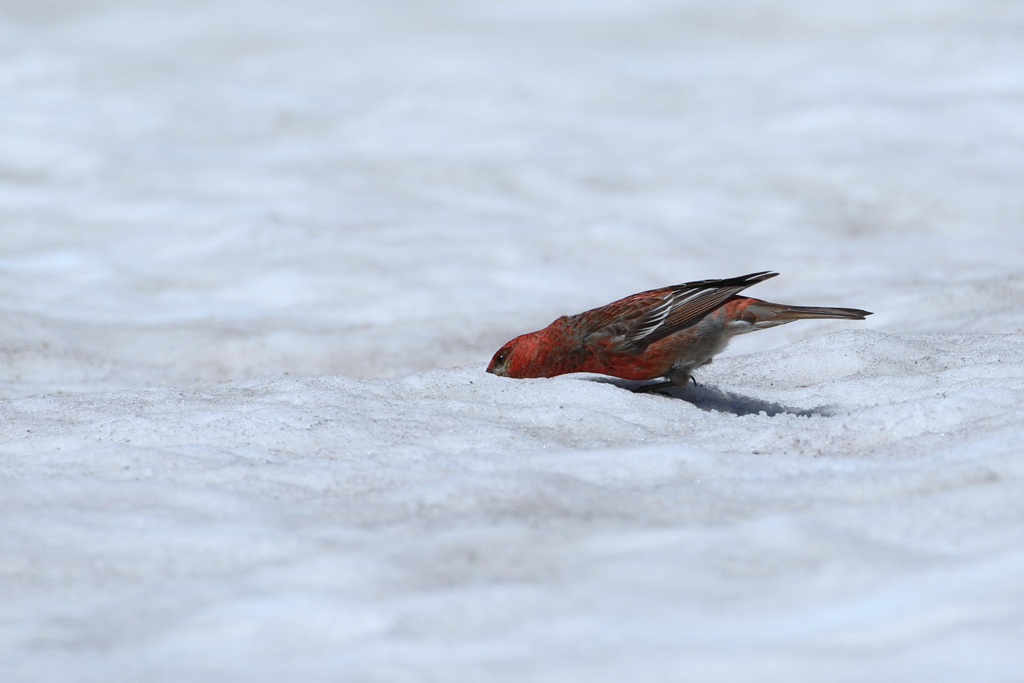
519, 358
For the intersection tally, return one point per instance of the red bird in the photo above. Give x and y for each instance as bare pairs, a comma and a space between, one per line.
664, 332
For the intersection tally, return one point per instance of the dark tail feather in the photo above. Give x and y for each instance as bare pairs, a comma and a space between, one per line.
782, 313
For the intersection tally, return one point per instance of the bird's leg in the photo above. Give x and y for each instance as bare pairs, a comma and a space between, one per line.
675, 378
654, 386
681, 377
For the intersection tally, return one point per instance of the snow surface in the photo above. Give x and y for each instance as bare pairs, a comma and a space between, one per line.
255, 256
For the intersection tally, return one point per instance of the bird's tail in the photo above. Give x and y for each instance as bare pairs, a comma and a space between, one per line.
760, 315
785, 314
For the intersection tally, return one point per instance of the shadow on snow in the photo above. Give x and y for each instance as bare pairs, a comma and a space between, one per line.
711, 398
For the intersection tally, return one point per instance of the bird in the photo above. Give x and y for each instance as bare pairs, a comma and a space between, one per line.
661, 333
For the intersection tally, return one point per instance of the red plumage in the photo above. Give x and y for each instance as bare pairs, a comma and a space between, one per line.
663, 332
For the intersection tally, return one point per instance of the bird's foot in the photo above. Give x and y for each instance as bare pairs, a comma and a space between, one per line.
654, 387
660, 387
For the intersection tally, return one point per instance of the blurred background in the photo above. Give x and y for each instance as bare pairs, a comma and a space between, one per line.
193, 192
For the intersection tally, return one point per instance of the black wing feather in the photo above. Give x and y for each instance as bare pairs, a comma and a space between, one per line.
685, 305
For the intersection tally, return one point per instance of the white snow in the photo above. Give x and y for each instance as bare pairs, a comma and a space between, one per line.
255, 256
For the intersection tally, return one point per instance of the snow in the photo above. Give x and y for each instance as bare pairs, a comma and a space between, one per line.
256, 255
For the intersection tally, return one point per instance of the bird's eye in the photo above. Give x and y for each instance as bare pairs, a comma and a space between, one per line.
500, 358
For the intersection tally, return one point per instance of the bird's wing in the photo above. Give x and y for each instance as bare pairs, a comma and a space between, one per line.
659, 313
